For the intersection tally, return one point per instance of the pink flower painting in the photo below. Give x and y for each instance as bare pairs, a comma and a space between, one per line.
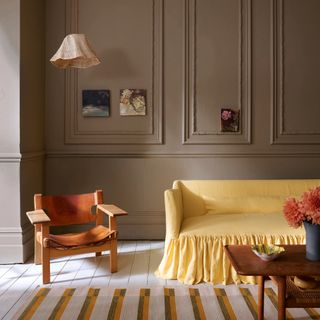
229, 120
226, 115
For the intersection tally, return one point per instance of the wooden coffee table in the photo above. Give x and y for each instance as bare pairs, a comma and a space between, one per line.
292, 262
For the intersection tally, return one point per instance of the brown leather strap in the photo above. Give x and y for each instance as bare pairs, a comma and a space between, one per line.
94, 235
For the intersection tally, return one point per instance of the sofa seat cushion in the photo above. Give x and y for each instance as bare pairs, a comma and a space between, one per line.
269, 224
198, 255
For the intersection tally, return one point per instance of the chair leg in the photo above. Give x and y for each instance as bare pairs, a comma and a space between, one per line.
113, 256
45, 265
45, 254
37, 251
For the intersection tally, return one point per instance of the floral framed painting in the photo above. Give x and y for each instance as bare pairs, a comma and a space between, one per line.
133, 102
229, 120
96, 103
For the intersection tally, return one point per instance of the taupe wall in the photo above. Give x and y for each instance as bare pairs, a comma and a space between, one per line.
32, 106
21, 122
193, 57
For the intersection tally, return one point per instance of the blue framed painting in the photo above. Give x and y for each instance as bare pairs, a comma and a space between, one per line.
96, 103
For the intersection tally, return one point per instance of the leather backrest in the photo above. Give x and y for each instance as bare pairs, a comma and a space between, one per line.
69, 209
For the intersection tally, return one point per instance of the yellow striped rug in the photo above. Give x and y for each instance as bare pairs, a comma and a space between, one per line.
203, 302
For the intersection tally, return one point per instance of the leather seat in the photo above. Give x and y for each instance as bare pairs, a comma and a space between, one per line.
95, 235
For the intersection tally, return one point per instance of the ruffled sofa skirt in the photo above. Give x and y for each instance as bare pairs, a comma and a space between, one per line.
198, 255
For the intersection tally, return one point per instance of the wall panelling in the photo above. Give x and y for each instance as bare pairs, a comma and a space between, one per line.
136, 48
217, 69
194, 57
296, 72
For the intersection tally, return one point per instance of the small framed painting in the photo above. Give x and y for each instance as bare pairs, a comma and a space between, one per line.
133, 102
96, 103
229, 120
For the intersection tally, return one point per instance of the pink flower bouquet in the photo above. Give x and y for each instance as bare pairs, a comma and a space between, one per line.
307, 208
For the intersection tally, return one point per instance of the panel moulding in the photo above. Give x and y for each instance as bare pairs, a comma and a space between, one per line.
192, 134
150, 155
10, 157
279, 134
152, 136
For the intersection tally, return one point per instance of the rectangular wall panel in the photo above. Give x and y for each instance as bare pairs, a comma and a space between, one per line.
129, 60
218, 69
296, 66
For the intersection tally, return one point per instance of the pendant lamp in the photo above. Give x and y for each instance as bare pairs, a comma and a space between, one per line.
75, 51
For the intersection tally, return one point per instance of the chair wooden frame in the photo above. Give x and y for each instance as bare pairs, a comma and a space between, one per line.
43, 219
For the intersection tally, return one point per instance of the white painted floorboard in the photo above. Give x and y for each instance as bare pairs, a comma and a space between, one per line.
137, 261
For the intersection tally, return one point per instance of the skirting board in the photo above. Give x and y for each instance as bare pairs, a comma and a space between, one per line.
142, 232
15, 246
16, 253
126, 232
19, 253
136, 226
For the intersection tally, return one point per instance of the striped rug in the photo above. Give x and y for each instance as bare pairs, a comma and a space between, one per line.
203, 302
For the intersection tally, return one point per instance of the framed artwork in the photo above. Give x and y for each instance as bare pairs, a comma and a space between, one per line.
133, 102
229, 120
96, 103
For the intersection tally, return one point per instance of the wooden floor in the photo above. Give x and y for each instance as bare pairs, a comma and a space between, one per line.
137, 261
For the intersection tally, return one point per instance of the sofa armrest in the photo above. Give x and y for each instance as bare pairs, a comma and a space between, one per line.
174, 213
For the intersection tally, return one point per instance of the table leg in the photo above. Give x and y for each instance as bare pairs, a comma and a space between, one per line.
260, 297
281, 298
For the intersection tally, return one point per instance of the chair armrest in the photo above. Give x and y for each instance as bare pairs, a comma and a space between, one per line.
111, 210
174, 213
38, 216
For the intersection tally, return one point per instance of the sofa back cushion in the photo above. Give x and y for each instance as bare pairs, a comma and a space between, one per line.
200, 197
248, 204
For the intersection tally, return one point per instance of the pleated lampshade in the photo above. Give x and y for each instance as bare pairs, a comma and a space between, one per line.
75, 51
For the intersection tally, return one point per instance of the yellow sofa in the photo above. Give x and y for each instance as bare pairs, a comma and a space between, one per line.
204, 215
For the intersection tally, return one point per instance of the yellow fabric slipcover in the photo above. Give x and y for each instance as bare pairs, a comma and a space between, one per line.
203, 216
